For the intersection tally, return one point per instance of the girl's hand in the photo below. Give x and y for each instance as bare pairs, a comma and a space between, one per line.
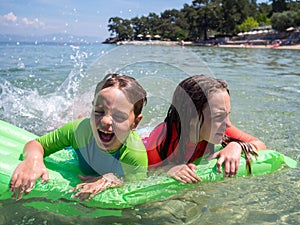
184, 173
94, 185
25, 176
229, 156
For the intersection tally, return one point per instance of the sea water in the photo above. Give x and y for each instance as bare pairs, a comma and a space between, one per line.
43, 86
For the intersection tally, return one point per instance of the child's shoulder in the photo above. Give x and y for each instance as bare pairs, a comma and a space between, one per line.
78, 125
82, 122
82, 131
134, 141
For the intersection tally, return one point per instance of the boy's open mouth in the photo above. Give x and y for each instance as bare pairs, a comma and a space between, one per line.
105, 136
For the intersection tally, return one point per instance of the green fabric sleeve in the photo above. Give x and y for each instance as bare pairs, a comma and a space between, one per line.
134, 157
60, 138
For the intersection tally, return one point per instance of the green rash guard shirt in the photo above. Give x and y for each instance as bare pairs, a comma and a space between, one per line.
130, 160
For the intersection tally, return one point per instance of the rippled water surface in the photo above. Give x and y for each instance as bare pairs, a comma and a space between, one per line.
40, 86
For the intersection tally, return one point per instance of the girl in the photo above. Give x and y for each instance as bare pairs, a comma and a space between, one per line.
198, 115
106, 144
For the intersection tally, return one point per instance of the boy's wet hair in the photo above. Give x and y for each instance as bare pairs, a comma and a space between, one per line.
133, 91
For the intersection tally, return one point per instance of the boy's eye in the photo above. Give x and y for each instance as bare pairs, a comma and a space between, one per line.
99, 113
119, 117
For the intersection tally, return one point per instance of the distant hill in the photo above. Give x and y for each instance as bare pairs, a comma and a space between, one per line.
51, 38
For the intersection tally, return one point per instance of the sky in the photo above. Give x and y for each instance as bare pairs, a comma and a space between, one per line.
74, 17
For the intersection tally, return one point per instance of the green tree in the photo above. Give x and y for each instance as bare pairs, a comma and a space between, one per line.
153, 22
284, 20
172, 25
233, 12
207, 16
120, 28
265, 8
263, 20
279, 6
190, 15
248, 24
293, 5
253, 9
137, 26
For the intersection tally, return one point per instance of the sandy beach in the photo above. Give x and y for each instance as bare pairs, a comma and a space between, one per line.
289, 47
175, 43
150, 42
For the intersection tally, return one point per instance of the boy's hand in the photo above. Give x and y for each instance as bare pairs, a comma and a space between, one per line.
25, 176
91, 186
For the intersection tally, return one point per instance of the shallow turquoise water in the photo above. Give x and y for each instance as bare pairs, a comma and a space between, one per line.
43, 85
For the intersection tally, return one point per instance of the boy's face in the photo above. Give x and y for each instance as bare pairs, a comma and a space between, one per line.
112, 118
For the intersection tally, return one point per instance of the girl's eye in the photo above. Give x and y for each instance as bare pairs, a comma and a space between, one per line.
220, 116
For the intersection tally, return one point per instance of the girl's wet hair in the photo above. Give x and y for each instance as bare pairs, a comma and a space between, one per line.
192, 94
189, 100
133, 91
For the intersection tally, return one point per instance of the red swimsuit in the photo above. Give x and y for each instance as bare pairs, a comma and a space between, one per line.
155, 138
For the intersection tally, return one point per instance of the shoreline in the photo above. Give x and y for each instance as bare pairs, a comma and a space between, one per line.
176, 43
285, 47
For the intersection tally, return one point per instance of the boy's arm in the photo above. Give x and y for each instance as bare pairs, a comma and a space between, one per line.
29, 170
59, 139
32, 167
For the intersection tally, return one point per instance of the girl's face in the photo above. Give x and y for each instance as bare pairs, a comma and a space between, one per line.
112, 118
216, 117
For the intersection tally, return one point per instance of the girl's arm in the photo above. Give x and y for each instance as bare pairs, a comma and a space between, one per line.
234, 132
231, 154
184, 173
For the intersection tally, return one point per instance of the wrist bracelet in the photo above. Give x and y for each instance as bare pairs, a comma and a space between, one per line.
248, 150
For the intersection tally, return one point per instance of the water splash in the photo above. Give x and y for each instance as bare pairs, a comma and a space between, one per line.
29, 108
